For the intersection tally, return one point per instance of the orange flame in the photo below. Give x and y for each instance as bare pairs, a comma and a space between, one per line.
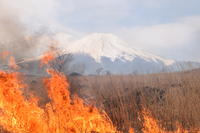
49, 56
131, 130
151, 126
61, 115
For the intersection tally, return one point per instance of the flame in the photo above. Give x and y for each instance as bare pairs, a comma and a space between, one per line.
151, 125
46, 58
62, 115
18, 114
50, 55
73, 113
131, 130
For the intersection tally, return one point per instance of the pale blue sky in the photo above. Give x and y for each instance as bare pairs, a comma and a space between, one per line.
169, 28
107, 15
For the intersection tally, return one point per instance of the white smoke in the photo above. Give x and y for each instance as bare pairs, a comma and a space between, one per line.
26, 26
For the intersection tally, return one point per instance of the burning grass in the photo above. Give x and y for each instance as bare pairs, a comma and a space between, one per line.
128, 110
62, 114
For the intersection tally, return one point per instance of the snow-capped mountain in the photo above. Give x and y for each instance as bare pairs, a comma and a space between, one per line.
100, 45
106, 53
102, 53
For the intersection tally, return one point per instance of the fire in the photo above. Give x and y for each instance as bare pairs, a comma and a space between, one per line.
151, 125
62, 114
64, 111
50, 55
47, 57
18, 114
131, 130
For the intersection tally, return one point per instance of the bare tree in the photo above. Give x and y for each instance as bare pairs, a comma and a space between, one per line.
62, 60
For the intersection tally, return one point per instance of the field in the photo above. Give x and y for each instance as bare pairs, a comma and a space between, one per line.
172, 98
154, 103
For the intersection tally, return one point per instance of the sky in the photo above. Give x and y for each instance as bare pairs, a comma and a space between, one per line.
168, 28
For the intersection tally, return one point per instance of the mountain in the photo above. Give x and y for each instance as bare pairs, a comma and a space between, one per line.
100, 45
102, 53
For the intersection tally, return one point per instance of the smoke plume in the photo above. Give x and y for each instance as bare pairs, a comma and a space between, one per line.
15, 37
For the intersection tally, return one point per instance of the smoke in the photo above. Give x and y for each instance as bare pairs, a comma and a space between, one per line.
14, 39
17, 19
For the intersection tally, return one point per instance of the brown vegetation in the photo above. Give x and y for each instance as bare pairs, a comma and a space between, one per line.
172, 98
156, 103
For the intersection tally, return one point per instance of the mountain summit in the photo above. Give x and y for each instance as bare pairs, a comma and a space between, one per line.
98, 45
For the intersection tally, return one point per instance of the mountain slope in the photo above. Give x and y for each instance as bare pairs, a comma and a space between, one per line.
100, 53
100, 45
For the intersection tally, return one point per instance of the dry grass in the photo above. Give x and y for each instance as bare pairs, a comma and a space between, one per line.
171, 98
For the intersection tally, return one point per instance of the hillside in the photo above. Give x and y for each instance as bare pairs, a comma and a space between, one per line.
103, 53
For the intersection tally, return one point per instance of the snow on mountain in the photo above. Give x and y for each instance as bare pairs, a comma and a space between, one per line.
108, 54
102, 53
100, 45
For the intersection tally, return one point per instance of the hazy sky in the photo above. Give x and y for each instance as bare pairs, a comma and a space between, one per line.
169, 28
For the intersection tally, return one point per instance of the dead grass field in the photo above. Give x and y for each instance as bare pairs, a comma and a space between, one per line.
171, 98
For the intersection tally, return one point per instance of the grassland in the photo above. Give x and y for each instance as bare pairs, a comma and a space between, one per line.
170, 97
